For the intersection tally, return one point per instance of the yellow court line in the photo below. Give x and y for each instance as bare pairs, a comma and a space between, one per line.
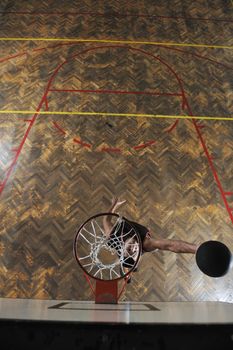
137, 115
132, 42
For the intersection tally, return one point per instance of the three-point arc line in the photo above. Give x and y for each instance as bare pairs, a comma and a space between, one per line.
105, 148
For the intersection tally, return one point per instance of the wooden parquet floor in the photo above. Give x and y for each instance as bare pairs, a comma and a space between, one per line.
56, 170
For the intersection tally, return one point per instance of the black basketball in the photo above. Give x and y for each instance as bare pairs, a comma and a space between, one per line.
213, 258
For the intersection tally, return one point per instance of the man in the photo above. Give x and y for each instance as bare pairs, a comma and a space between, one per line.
149, 244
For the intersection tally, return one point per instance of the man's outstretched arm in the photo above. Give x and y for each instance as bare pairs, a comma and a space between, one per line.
107, 220
172, 245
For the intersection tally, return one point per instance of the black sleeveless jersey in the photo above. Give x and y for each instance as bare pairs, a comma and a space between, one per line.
140, 229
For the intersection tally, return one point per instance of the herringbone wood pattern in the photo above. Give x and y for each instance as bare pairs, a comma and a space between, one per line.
69, 166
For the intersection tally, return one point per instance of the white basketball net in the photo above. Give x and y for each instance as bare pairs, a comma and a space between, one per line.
121, 248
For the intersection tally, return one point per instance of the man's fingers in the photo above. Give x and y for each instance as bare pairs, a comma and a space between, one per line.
122, 202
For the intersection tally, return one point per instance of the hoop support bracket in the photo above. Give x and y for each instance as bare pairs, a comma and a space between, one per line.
106, 292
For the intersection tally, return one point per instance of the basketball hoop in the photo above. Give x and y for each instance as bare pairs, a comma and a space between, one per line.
107, 257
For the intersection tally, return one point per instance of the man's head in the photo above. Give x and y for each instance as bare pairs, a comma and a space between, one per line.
131, 248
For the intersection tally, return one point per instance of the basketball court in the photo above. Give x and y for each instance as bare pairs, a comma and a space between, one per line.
128, 99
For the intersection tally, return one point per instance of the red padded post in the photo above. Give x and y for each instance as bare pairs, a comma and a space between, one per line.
106, 292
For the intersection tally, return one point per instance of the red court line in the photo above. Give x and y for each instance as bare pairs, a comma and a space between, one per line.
111, 149
39, 49
144, 145
62, 131
173, 126
210, 161
12, 56
117, 92
59, 128
105, 148
228, 193
115, 14
84, 144
15, 159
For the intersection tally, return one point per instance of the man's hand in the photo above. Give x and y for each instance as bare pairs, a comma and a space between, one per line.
116, 203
